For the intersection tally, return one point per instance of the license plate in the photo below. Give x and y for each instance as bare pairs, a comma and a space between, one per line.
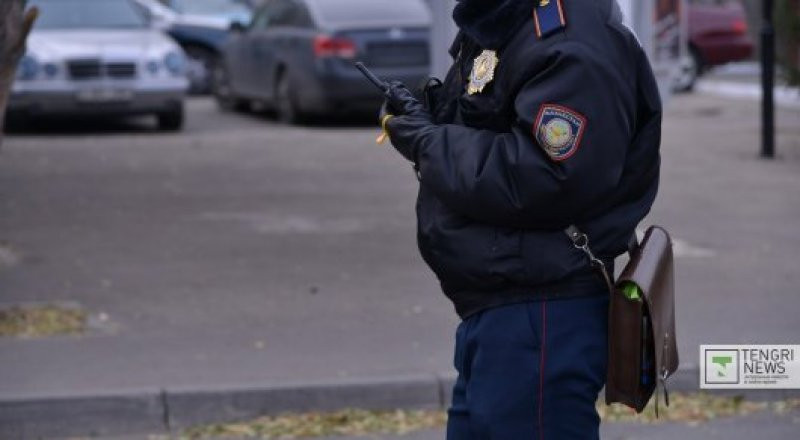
104, 95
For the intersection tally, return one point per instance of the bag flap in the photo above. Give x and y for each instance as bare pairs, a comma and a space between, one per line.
651, 267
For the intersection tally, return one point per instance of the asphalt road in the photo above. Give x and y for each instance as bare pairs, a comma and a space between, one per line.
236, 251
240, 251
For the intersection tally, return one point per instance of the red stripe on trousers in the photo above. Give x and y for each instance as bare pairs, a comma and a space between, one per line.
541, 370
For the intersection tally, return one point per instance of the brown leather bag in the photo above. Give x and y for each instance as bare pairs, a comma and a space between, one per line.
642, 349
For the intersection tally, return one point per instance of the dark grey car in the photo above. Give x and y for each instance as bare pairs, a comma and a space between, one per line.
296, 56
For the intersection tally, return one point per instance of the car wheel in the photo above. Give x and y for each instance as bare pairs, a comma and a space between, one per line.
223, 92
200, 67
285, 103
690, 69
16, 122
171, 120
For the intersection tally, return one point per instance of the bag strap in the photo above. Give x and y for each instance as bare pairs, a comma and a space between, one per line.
633, 244
581, 242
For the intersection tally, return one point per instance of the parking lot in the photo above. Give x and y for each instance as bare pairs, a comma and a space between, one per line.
236, 243
242, 252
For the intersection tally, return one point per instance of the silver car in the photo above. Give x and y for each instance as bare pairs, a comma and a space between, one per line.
99, 57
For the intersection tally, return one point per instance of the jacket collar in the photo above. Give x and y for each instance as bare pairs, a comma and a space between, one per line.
491, 23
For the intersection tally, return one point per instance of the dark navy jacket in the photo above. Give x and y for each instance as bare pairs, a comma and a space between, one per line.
500, 183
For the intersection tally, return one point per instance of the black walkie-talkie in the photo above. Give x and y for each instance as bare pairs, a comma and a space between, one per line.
380, 84
384, 88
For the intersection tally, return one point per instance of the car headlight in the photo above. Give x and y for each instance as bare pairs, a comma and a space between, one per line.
28, 68
50, 70
175, 63
153, 66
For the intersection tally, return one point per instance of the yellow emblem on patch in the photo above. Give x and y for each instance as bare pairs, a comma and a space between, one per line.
557, 133
559, 130
482, 71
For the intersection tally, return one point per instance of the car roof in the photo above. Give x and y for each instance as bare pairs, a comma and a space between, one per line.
349, 14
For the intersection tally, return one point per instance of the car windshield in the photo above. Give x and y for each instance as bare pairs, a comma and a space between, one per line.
80, 14
211, 7
338, 12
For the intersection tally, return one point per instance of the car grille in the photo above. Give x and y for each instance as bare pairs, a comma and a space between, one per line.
83, 69
89, 69
121, 70
397, 54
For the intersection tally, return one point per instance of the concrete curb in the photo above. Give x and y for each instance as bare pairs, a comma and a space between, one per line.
190, 407
120, 412
160, 411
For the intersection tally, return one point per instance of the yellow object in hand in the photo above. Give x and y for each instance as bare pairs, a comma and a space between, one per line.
385, 134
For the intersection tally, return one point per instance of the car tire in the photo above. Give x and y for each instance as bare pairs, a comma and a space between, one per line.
202, 62
223, 92
285, 102
171, 120
690, 70
16, 122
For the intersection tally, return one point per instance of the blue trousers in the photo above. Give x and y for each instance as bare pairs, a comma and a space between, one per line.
530, 371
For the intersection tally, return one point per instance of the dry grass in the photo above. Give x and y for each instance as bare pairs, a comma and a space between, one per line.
692, 409
41, 320
345, 422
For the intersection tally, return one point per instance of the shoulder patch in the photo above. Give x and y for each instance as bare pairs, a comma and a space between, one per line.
559, 131
549, 17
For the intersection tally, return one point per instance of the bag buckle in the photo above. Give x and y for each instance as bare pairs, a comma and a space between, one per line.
581, 242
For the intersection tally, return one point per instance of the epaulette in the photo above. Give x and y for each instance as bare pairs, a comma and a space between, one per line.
549, 17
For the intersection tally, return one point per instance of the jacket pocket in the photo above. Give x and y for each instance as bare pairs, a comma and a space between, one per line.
464, 254
505, 255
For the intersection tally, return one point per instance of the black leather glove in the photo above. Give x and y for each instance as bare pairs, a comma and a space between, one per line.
402, 115
400, 101
406, 131
430, 94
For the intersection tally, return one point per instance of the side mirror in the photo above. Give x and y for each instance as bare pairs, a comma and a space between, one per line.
236, 26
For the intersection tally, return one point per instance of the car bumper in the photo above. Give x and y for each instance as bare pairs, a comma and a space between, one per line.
335, 89
97, 97
727, 50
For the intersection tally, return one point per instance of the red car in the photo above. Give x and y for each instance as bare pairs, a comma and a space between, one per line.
718, 34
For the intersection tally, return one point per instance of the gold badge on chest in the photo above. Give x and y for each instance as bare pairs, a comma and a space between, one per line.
482, 71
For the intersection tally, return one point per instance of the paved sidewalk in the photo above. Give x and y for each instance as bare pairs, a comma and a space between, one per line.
743, 81
248, 267
786, 97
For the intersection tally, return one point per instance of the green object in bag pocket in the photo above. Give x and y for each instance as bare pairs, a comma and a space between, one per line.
631, 291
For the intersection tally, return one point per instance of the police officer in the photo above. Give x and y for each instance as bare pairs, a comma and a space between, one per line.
549, 117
